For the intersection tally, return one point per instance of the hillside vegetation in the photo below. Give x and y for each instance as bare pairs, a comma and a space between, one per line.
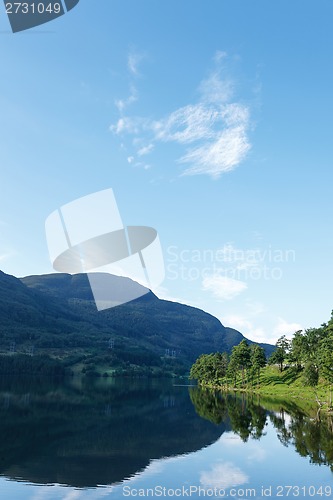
301, 367
56, 315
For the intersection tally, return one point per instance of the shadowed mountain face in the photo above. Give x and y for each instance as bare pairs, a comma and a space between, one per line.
86, 433
57, 311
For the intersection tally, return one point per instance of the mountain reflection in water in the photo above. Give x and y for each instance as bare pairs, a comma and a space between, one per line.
91, 432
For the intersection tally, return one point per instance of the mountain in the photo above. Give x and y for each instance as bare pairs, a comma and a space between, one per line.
56, 314
234, 337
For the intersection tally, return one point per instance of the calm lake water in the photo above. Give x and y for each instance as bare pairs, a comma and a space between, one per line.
112, 438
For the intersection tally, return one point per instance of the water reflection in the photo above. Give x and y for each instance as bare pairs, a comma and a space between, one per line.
312, 438
106, 432
90, 432
248, 416
242, 414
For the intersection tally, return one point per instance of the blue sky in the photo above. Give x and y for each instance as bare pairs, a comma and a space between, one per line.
210, 120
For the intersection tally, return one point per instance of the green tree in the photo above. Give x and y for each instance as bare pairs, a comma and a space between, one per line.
297, 349
241, 357
232, 371
311, 374
325, 352
281, 352
311, 341
258, 360
210, 368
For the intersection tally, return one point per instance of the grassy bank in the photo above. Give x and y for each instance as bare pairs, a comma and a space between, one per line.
286, 385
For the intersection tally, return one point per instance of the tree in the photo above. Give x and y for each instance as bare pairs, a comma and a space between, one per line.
277, 358
280, 353
258, 360
311, 341
232, 371
325, 355
311, 374
297, 349
210, 368
241, 357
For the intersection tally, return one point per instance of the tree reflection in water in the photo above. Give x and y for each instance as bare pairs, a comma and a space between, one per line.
247, 415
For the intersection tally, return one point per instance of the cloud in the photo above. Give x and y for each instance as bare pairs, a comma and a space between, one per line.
129, 125
246, 327
145, 150
254, 308
243, 258
213, 130
220, 156
122, 104
56, 491
258, 455
222, 287
230, 439
223, 476
187, 124
72, 495
245, 324
164, 294
133, 60
216, 90
285, 328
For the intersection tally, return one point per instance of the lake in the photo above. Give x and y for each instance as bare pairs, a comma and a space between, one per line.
122, 438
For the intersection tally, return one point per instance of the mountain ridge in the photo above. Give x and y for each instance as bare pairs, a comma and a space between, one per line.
56, 314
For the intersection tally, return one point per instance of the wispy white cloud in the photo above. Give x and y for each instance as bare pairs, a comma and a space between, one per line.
57, 491
122, 104
254, 308
145, 150
219, 156
258, 454
222, 287
133, 61
285, 328
246, 327
214, 129
72, 495
219, 56
247, 323
238, 256
129, 125
164, 294
231, 440
188, 124
223, 476
216, 90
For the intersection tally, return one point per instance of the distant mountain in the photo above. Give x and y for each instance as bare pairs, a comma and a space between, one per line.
234, 337
56, 314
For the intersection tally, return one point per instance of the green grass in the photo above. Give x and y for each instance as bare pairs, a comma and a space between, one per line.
289, 385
